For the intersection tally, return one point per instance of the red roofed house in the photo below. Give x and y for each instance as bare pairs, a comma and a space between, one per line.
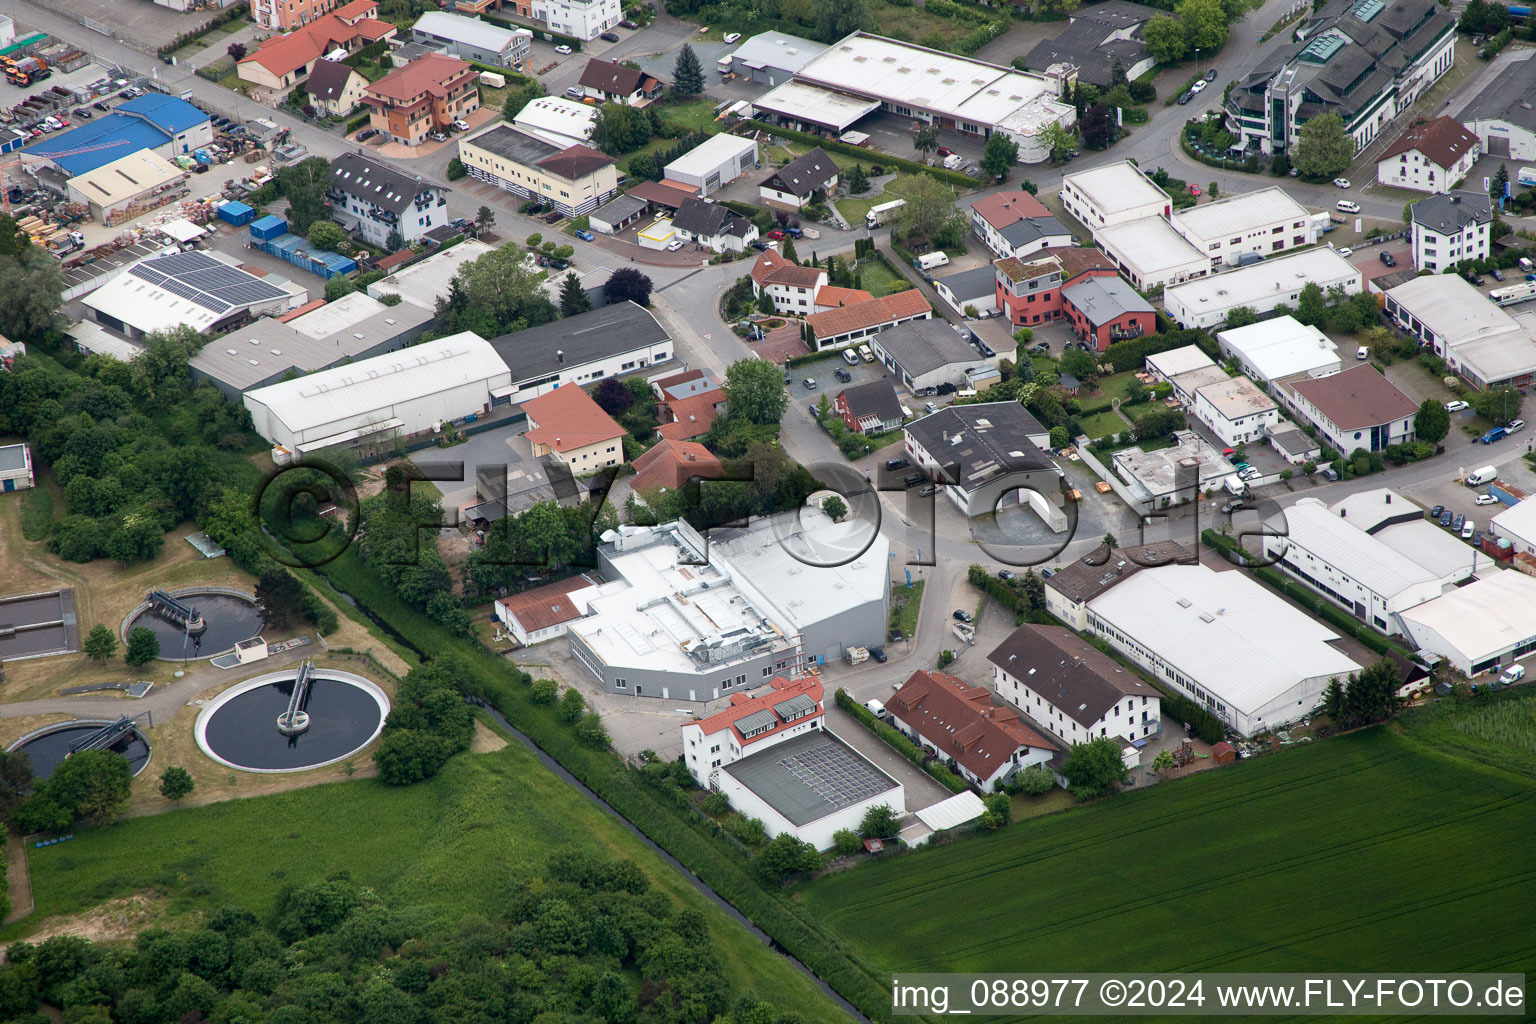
283, 61
670, 464
846, 325
791, 287
753, 722
960, 722
830, 296
687, 404
608, 81
428, 94
542, 613
1016, 223
1029, 288
567, 424
1430, 157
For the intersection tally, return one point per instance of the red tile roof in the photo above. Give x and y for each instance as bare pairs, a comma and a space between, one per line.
285, 54
430, 73
548, 605
961, 721
611, 77
1076, 260
690, 416
771, 268
1003, 208
576, 162
831, 295
567, 419
681, 186
659, 193
1443, 140
744, 704
356, 9
294, 314
670, 463
883, 310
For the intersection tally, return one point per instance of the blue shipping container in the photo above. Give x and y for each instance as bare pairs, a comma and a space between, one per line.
236, 213
269, 227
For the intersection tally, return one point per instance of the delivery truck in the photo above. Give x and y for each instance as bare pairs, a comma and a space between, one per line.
878, 215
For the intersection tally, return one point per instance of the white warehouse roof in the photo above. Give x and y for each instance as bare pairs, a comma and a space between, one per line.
1224, 631
1179, 360
1518, 521
359, 388
479, 34
557, 120
955, 810
813, 103
422, 283
1280, 347
1257, 285
1235, 215
777, 50
1342, 544
708, 155
1453, 309
1116, 187
1149, 245
1480, 620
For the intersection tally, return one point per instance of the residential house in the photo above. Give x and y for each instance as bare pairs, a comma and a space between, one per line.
567, 424
986, 456
850, 324
798, 181
791, 287
970, 293
425, 96
687, 404
1236, 410
1104, 310
281, 62
1355, 409
1015, 223
376, 201
335, 88
668, 465
544, 612
1101, 44
792, 708
584, 19
1449, 229
575, 179
713, 225
1070, 588
285, 15
1028, 291
869, 408
959, 722
1432, 156
608, 81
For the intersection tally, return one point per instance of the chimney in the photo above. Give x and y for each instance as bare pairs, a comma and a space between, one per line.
1343, 513
560, 355
1389, 497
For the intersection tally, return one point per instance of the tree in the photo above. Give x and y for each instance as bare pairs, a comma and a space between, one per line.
1098, 127
629, 284
787, 250
15, 781
687, 74
835, 19
1370, 696
1333, 700
1497, 404
858, 180
590, 731
100, 644
1431, 423
303, 184
544, 691
1078, 363
999, 156
926, 140
485, 219
880, 822
92, 784
1323, 149
493, 293
785, 856
755, 390
143, 646
1205, 24
571, 707
1037, 780
1163, 761
620, 128
1480, 18
765, 303
236, 50
394, 241
30, 284
614, 396
1058, 141
1165, 39
1094, 768
326, 236
930, 218
1241, 316
1311, 306
1110, 541
520, 96
175, 783
846, 842
573, 297
834, 507
1499, 180
280, 596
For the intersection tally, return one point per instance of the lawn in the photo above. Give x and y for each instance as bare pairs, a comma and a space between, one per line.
853, 210
878, 279
1336, 855
1101, 423
904, 616
1117, 385
461, 843
696, 115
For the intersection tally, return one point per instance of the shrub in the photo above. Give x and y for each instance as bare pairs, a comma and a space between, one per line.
716, 804
1036, 780
456, 169
544, 691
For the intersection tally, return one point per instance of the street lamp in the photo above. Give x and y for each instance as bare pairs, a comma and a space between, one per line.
1198, 69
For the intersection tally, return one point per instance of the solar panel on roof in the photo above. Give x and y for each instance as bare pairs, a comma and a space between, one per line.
838, 779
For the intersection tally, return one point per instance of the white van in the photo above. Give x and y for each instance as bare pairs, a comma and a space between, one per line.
1513, 674
1486, 475
929, 260
850, 357
966, 393
1235, 487
877, 708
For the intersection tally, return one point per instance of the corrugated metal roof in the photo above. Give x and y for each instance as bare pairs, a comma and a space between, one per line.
957, 810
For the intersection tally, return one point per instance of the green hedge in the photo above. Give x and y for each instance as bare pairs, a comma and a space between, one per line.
814, 357
360, 121
993, 587
683, 832
899, 742
869, 156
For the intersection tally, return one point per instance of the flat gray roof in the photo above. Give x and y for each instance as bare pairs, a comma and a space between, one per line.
13, 457
583, 338
809, 777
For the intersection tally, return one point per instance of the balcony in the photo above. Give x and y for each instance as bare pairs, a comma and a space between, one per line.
1126, 333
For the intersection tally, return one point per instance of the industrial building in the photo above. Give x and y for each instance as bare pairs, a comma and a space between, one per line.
1260, 287
583, 349
1070, 588
987, 456
1072, 688
1151, 254
1113, 194
423, 282
206, 291
474, 39
771, 58
1279, 350
712, 164
164, 125
575, 179
1502, 115
690, 618
1449, 229
1221, 638
1517, 524
269, 349
558, 121
1480, 627
1171, 476
397, 395
132, 184
1479, 340
988, 744
1355, 409
862, 73
543, 613
1264, 222
1365, 60
924, 353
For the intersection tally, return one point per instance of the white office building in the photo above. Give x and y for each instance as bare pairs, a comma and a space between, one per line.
1480, 627
584, 19
1224, 640
1113, 194
1259, 287
713, 164
1236, 410
1280, 349
1151, 254
1264, 222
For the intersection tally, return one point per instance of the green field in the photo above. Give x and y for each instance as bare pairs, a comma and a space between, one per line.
1376, 851
1099, 424
461, 843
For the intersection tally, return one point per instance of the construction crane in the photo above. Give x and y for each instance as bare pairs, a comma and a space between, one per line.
5, 191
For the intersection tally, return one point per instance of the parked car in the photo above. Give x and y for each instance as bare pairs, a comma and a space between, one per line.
944, 151
895, 636
1474, 279
1250, 474
1347, 206
1388, 258
878, 653
1005, 574
1514, 425
1046, 574
585, 235
631, 25
984, 348
776, 234
896, 463
930, 407
912, 479
1434, 513
731, 37
1498, 275
1345, 251
1513, 674
1457, 406
99, 105
1362, 353
961, 615
83, 112
1041, 348
575, 92
609, 37
1484, 499
438, 137
562, 49
675, 245
1468, 528
1446, 518
927, 490
1210, 76
1457, 522
760, 246
553, 218
809, 383
1185, 97
1194, 189
366, 134
1228, 452
1330, 473
1341, 182
461, 126
1198, 86
842, 375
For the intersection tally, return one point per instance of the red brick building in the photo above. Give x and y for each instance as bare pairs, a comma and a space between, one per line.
1029, 290
1103, 309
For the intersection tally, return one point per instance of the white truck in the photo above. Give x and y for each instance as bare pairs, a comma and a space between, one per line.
1526, 177
866, 354
878, 215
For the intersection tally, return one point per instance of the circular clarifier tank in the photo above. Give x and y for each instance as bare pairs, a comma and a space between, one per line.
48, 746
240, 727
227, 617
